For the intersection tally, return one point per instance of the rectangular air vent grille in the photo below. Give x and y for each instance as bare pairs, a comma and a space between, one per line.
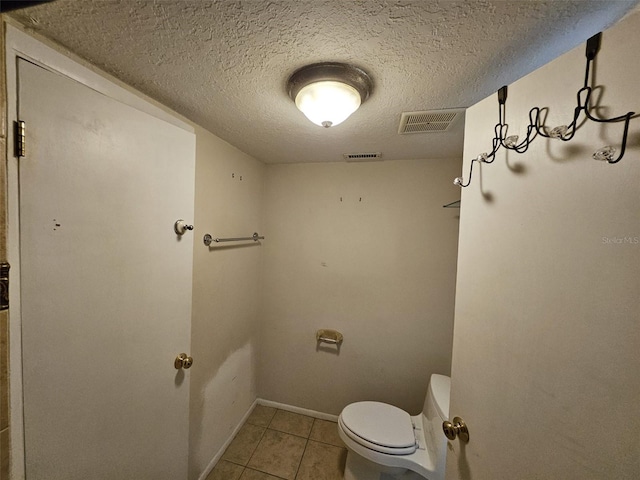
362, 157
427, 121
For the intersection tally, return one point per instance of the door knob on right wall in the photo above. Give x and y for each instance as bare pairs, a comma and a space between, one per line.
183, 361
456, 429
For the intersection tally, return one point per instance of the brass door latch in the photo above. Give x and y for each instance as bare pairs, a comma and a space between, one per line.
457, 428
183, 361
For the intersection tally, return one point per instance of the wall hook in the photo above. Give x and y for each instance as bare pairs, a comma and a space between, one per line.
180, 227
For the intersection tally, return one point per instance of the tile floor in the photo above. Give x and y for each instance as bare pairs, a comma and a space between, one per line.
275, 444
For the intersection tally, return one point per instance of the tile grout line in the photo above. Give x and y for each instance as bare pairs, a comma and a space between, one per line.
300, 462
247, 422
258, 442
266, 473
306, 444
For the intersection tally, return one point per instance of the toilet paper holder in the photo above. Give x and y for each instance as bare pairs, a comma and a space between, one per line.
329, 336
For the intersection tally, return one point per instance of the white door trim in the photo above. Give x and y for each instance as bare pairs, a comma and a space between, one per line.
21, 45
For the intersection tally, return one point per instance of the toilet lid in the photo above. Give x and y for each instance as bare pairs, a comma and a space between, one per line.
379, 423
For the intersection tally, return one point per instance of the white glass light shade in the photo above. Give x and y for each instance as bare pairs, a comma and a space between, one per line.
328, 103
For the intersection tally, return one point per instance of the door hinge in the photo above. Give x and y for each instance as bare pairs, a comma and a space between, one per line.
4, 286
21, 139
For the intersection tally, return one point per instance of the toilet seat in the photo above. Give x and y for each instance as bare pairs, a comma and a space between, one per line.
377, 446
379, 427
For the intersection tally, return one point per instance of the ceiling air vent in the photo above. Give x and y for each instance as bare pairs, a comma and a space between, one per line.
428, 121
362, 157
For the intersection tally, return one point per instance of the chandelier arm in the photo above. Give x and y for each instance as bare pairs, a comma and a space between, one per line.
534, 119
465, 185
623, 146
496, 142
587, 110
494, 150
521, 148
584, 105
573, 126
563, 132
535, 122
504, 128
524, 145
626, 117
532, 132
586, 73
497, 131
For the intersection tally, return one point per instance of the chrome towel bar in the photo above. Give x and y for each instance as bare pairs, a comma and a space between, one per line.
208, 239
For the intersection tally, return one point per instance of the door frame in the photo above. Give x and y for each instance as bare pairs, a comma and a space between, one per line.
45, 54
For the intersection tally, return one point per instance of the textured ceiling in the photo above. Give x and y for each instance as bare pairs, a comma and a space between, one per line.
224, 64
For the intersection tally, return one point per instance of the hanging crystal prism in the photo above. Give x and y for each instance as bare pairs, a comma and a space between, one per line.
605, 154
511, 141
558, 132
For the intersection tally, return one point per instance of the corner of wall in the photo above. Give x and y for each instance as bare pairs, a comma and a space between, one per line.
226, 283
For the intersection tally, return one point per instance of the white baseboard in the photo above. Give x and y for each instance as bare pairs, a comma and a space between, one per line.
302, 411
217, 456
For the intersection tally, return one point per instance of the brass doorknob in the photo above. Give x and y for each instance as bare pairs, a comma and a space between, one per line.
183, 361
187, 363
457, 428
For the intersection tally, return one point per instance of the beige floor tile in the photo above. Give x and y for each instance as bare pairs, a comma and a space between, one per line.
249, 474
292, 423
326, 432
278, 454
225, 471
261, 416
322, 462
244, 444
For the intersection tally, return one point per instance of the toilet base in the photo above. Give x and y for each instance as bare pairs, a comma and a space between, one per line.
359, 468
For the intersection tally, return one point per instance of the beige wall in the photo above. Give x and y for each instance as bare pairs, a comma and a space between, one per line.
379, 266
224, 329
546, 355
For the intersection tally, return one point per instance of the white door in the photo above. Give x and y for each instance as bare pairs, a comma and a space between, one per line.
546, 349
105, 284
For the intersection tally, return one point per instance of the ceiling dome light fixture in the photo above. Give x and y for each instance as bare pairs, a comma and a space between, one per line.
328, 93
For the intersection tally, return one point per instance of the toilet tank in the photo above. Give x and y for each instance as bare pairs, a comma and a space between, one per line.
437, 401
434, 412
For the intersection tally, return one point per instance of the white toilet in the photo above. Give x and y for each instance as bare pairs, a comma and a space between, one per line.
385, 442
